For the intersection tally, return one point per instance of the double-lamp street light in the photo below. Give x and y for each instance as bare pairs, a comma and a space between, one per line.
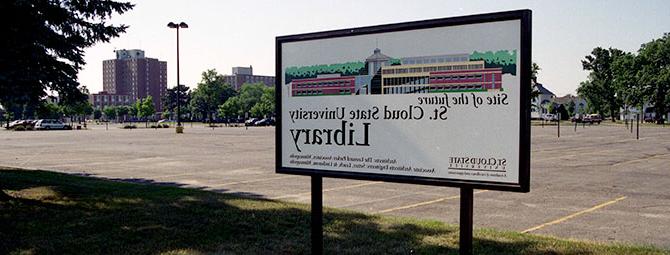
180, 129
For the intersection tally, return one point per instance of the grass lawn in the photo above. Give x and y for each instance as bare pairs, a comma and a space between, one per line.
54, 213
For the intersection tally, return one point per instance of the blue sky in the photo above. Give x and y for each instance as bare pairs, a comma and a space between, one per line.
223, 34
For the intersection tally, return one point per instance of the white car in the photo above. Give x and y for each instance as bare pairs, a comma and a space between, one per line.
46, 124
550, 117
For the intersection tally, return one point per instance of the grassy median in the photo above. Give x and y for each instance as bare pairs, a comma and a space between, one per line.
53, 213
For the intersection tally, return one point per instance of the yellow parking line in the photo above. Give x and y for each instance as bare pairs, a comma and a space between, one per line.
574, 215
425, 203
326, 190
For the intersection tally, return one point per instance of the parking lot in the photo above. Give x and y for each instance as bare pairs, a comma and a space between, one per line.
598, 183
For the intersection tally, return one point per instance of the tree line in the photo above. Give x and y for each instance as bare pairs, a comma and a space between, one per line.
214, 99
620, 79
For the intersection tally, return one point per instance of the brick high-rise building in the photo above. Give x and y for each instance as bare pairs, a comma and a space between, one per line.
135, 75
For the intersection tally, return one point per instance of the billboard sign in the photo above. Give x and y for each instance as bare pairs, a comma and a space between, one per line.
439, 102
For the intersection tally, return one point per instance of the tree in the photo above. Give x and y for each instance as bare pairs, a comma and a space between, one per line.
231, 108
123, 111
132, 110
110, 112
654, 60
250, 95
626, 82
43, 47
145, 109
97, 114
211, 92
48, 110
77, 110
534, 92
571, 108
601, 80
266, 105
169, 100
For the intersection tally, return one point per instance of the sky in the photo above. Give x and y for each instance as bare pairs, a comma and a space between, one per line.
224, 34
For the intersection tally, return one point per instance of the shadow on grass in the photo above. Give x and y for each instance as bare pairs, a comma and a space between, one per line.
66, 214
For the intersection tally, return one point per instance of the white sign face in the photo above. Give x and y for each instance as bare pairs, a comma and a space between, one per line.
439, 103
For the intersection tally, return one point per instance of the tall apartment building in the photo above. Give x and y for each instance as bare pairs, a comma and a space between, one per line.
134, 75
242, 75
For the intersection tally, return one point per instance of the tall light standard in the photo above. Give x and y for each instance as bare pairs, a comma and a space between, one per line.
180, 129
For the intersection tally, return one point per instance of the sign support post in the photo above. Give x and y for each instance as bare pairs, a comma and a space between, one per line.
317, 215
465, 234
637, 136
559, 125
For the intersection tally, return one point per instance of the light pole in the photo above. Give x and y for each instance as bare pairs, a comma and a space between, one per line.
180, 129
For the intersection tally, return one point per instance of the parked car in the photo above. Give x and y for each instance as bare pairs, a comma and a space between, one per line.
265, 122
47, 124
550, 117
649, 118
592, 118
27, 124
577, 118
250, 122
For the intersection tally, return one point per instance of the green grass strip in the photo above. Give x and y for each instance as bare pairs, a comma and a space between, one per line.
54, 213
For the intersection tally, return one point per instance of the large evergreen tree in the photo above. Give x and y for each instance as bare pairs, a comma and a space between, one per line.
43, 44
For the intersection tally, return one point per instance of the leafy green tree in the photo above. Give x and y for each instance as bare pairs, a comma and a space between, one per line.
625, 69
591, 93
77, 110
43, 47
211, 92
266, 105
534, 92
48, 110
169, 100
551, 108
145, 109
97, 114
571, 108
123, 111
654, 60
231, 108
250, 95
601, 80
132, 110
110, 112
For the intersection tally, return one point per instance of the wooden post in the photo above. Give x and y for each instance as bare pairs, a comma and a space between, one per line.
559, 125
637, 136
317, 215
465, 231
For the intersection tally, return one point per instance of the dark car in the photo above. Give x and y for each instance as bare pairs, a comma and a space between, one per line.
251, 122
26, 124
265, 122
592, 118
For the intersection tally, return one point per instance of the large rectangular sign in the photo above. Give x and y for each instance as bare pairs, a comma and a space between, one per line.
440, 102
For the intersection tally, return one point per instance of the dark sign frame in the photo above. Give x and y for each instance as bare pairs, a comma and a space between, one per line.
524, 115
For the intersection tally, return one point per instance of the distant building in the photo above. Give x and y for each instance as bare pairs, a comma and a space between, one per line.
539, 104
580, 103
104, 99
242, 75
136, 76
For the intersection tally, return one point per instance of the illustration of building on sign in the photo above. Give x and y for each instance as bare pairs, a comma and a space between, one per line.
381, 74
